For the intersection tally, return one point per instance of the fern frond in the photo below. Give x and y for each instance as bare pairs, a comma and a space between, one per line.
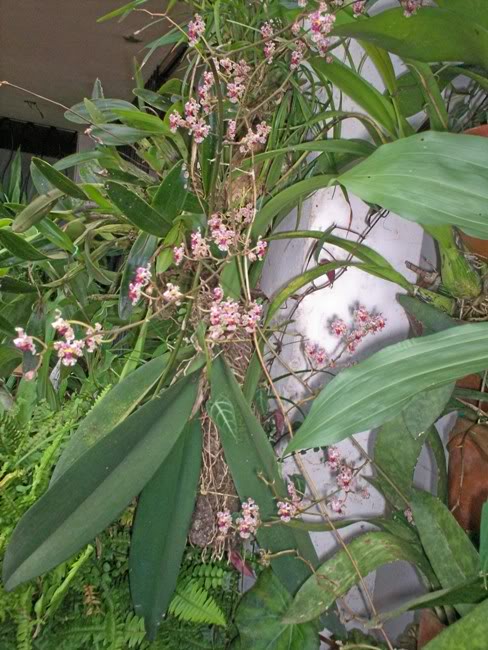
194, 604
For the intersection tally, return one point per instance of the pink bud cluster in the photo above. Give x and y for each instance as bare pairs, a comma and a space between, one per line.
317, 355
199, 246
178, 254
410, 7
267, 32
226, 316
245, 525
196, 29
364, 324
253, 138
231, 130
297, 55
223, 236
196, 125
259, 251
289, 509
141, 279
358, 7
204, 92
345, 479
23, 342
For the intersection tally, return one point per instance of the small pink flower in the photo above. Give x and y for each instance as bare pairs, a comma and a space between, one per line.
317, 355
250, 520
358, 7
286, 511
361, 315
62, 327
253, 138
172, 293
24, 342
244, 214
334, 458
410, 7
175, 121
178, 254
218, 294
296, 29
143, 275
93, 337
196, 29
269, 51
231, 130
251, 318
235, 91
345, 478
338, 327
69, 351
134, 292
199, 246
224, 522
336, 505
297, 55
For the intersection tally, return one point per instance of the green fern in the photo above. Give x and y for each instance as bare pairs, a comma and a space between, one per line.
194, 604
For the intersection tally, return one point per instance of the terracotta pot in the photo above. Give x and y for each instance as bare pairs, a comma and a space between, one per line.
429, 627
468, 473
473, 244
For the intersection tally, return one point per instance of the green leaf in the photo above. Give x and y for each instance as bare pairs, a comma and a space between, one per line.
79, 113
10, 358
431, 319
59, 180
484, 539
259, 619
137, 211
470, 632
6, 327
163, 517
336, 576
98, 486
287, 198
152, 98
434, 102
36, 210
193, 603
450, 552
118, 135
359, 398
12, 285
109, 412
430, 35
144, 121
358, 89
171, 195
20, 247
425, 408
252, 461
54, 234
432, 178
141, 252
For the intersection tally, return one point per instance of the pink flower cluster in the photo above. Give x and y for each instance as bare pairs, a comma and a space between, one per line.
246, 524
259, 251
345, 480
237, 73
199, 246
141, 279
254, 138
297, 54
289, 509
204, 92
196, 29
226, 316
172, 294
23, 342
358, 7
196, 125
223, 236
410, 7
321, 24
178, 254
364, 324
71, 349
317, 355
267, 32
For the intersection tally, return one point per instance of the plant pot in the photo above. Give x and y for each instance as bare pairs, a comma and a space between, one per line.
429, 627
473, 244
468, 473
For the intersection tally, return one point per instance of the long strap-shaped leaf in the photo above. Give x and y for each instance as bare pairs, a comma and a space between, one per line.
470, 632
254, 468
161, 525
97, 487
379, 388
433, 178
335, 577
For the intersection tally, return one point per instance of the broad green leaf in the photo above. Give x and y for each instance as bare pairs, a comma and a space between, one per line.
12, 285
109, 412
141, 252
6, 327
144, 121
137, 211
54, 234
118, 135
98, 486
433, 100
425, 408
470, 632
163, 517
360, 398
59, 180
336, 576
287, 198
359, 90
259, 619
171, 195
450, 551
152, 98
432, 178
472, 9
430, 35
36, 210
80, 115
484, 539
428, 317
19, 247
252, 461
76, 159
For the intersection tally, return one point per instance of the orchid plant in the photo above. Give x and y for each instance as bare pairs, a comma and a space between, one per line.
148, 268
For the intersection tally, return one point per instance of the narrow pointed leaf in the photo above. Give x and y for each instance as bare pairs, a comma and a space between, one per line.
171, 195
98, 486
137, 211
12, 285
80, 115
470, 632
450, 551
433, 178
19, 247
109, 412
59, 180
360, 398
484, 539
161, 526
252, 462
36, 210
336, 576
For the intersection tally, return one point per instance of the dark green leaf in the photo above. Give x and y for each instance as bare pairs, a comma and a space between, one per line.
163, 517
80, 115
20, 247
98, 486
152, 98
59, 180
12, 285
137, 211
36, 210
259, 619
171, 195
425, 409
